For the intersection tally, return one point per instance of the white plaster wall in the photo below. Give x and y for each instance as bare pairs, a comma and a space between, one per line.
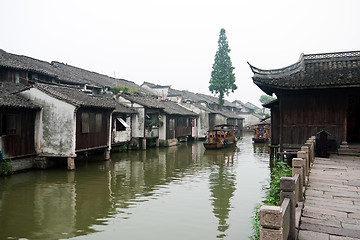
122, 136
249, 119
220, 119
162, 129
138, 120
56, 129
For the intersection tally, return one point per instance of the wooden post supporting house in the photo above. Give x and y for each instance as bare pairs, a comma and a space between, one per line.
157, 142
144, 144
71, 163
107, 154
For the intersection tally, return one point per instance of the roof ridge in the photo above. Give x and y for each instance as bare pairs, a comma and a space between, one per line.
317, 56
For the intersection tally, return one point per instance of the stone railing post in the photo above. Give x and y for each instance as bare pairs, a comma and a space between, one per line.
307, 162
310, 145
271, 222
304, 155
298, 167
288, 190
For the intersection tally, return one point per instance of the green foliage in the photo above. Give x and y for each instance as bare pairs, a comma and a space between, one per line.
222, 79
272, 194
122, 89
266, 99
5, 166
134, 146
123, 148
255, 222
133, 91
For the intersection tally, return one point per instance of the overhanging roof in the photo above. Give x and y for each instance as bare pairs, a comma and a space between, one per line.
312, 71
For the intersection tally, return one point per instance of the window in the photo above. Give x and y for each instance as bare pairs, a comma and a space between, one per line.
98, 122
85, 122
17, 77
121, 125
8, 125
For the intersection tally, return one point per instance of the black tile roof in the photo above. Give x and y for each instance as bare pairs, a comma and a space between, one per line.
10, 60
76, 97
10, 99
328, 70
168, 107
64, 72
70, 73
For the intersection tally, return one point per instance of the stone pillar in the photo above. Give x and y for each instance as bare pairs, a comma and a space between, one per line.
287, 186
157, 142
304, 155
307, 162
298, 167
71, 163
107, 154
144, 143
271, 221
310, 144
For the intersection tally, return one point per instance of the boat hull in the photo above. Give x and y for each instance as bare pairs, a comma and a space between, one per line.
260, 140
219, 145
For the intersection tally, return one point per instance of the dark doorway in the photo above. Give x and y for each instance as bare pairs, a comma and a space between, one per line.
353, 119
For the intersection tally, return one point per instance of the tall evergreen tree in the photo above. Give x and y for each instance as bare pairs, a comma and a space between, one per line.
222, 77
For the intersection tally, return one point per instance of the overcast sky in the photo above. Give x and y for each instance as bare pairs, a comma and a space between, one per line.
173, 43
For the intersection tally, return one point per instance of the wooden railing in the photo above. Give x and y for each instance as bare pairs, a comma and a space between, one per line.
281, 222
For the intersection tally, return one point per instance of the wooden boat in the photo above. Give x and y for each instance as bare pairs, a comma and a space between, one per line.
222, 136
262, 133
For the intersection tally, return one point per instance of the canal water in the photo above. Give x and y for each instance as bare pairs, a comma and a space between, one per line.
181, 192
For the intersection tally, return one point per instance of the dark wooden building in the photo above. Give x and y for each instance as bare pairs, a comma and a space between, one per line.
319, 92
17, 122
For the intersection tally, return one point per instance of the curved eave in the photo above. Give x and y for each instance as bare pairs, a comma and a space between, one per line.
276, 73
270, 89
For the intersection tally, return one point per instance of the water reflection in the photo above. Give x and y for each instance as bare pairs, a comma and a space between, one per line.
56, 204
261, 148
222, 186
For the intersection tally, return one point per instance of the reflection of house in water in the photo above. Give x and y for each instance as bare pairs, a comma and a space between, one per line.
222, 186
220, 156
261, 148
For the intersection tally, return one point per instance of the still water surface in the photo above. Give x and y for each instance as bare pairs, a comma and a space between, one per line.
181, 192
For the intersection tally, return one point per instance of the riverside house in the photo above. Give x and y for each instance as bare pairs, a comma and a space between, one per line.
17, 126
319, 92
71, 122
158, 121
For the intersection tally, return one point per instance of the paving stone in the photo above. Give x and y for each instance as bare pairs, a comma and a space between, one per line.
332, 205
333, 237
310, 235
348, 201
329, 229
343, 207
331, 223
354, 215
351, 226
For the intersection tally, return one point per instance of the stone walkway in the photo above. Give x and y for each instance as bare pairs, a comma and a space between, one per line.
332, 206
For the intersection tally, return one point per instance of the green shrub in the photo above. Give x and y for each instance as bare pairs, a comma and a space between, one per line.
272, 194
123, 148
6, 167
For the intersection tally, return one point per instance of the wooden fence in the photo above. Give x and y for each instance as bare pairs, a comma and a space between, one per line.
281, 222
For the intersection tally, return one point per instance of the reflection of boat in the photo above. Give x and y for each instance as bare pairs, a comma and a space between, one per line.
262, 132
222, 136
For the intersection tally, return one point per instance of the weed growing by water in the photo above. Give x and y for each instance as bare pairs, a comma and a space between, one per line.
272, 194
5, 166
